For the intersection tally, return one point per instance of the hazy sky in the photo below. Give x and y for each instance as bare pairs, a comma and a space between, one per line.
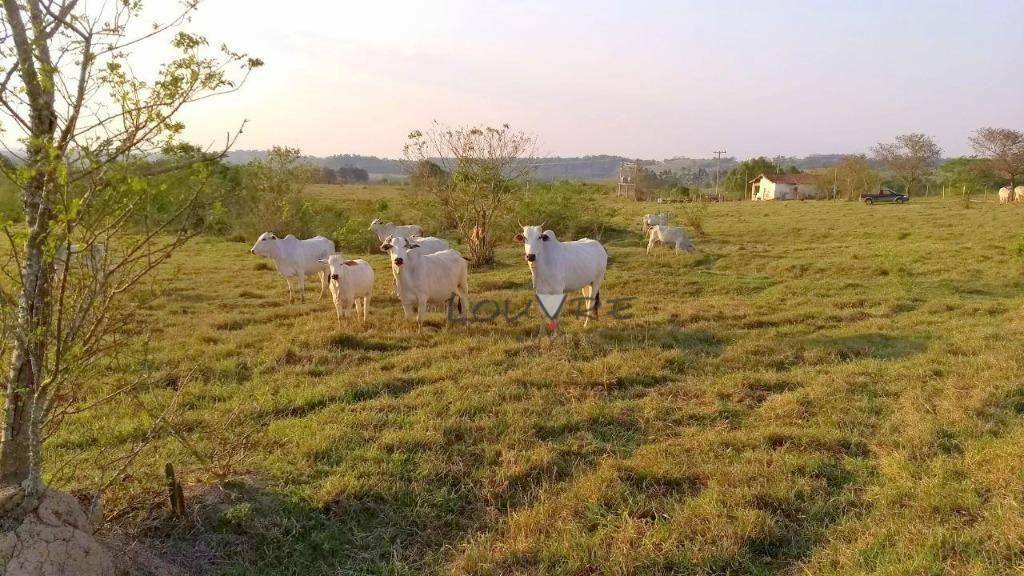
646, 79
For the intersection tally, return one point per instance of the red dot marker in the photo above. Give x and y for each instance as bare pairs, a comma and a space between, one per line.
552, 325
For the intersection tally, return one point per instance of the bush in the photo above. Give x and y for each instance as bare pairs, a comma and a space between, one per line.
569, 208
693, 216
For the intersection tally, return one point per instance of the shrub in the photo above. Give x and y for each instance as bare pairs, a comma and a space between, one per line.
569, 208
693, 215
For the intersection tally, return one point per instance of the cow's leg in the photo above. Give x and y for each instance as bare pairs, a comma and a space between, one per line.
302, 287
650, 245
595, 294
291, 293
337, 312
421, 309
366, 305
325, 281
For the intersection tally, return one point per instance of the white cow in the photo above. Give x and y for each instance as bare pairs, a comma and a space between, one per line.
560, 267
649, 220
351, 285
296, 259
94, 256
429, 244
421, 279
385, 229
1018, 194
673, 235
1006, 195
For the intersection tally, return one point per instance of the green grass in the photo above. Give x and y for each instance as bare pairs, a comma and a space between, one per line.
825, 388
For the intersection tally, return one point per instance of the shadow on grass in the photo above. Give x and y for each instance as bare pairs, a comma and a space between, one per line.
873, 345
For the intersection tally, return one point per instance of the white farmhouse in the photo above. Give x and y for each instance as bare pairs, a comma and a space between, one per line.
784, 187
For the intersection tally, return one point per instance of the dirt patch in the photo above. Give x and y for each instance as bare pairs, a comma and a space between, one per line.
56, 539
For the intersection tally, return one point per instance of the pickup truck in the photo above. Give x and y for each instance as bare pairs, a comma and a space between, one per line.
885, 195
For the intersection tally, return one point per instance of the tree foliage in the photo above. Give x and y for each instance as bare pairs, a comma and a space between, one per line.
487, 167
910, 158
90, 128
1002, 152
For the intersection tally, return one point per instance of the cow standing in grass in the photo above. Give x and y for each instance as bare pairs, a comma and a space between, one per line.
672, 235
385, 229
295, 259
560, 267
421, 279
351, 284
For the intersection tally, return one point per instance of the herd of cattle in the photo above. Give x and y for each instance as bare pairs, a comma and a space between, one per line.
1006, 195
427, 271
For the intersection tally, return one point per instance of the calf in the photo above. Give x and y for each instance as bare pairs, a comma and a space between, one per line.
295, 259
669, 235
351, 284
421, 279
560, 267
383, 230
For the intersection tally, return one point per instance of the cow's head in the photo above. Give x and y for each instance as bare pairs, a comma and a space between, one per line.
375, 224
264, 244
333, 263
533, 239
400, 249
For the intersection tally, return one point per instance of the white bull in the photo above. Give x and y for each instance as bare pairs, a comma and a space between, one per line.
1018, 194
351, 285
385, 229
672, 235
429, 244
559, 267
295, 259
422, 279
1006, 195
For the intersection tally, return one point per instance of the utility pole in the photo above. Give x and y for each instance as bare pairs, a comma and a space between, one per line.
718, 169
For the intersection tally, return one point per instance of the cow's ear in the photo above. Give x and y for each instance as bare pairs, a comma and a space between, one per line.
519, 238
385, 247
544, 237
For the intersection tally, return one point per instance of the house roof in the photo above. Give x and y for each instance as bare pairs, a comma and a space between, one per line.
802, 178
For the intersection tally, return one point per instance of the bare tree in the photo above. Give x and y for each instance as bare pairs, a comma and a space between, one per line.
910, 157
95, 136
486, 168
1002, 150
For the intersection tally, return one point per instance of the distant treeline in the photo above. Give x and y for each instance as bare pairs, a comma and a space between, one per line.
688, 171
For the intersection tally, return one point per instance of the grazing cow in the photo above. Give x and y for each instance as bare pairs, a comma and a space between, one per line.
1018, 194
669, 235
94, 256
296, 259
1006, 195
649, 220
429, 244
421, 279
560, 267
383, 230
351, 284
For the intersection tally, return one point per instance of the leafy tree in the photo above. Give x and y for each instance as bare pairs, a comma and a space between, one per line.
737, 178
350, 174
488, 166
972, 174
1002, 150
910, 158
88, 125
852, 177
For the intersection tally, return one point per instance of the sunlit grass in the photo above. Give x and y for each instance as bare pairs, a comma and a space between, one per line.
824, 388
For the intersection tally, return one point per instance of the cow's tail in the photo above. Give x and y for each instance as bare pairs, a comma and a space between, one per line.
597, 301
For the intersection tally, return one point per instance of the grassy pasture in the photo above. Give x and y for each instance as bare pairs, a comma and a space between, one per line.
825, 388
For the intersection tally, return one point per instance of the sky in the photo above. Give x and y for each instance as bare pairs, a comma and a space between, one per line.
654, 79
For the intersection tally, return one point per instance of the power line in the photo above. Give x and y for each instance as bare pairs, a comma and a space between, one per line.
718, 169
